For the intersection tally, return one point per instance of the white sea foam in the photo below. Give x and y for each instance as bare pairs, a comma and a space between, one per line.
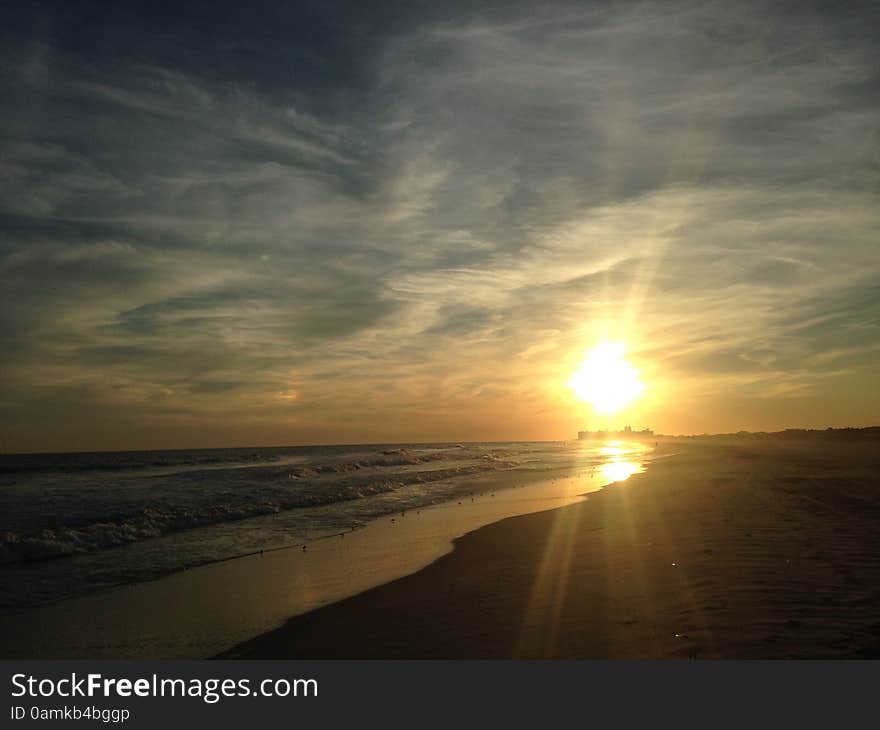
116, 518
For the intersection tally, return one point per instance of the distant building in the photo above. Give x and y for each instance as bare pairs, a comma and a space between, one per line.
627, 433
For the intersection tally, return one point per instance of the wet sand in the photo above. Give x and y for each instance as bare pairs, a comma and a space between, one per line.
739, 549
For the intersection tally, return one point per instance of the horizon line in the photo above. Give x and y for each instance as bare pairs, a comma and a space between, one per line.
436, 443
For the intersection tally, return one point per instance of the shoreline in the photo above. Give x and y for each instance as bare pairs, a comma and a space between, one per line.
199, 612
549, 474
720, 553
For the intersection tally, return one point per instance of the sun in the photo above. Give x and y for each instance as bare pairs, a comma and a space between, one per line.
606, 380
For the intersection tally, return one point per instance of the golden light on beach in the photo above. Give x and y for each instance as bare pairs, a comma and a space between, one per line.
606, 380
618, 471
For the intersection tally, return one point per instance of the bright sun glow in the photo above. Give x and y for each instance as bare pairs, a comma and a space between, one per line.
618, 471
606, 380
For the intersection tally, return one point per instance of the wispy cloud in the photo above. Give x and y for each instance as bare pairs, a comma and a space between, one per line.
421, 242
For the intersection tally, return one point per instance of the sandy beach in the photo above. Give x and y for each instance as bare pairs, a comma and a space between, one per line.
749, 547
746, 548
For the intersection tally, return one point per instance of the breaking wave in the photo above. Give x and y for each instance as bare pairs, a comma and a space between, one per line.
146, 507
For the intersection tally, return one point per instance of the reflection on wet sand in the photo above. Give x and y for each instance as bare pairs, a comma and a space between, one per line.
617, 471
623, 459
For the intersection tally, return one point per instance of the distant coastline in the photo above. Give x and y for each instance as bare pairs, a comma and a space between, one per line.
845, 432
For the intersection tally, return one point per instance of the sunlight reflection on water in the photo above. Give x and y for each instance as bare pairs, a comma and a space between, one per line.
617, 471
623, 460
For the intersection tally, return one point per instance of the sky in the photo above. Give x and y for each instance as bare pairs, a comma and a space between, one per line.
288, 223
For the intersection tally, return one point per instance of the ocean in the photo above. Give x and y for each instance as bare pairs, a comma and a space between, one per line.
72, 524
